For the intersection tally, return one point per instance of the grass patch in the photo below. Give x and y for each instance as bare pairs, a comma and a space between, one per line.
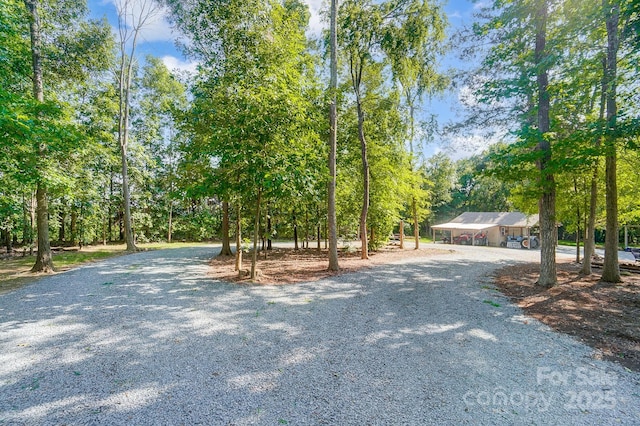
492, 303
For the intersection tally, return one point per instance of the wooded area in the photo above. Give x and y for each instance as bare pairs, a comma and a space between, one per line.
281, 136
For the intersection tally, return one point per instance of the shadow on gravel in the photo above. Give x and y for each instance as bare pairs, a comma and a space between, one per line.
155, 342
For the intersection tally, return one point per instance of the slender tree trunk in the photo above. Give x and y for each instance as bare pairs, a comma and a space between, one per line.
319, 236
125, 79
590, 231
306, 229
295, 232
238, 240
256, 235
578, 220
333, 137
62, 217
126, 196
547, 201
74, 227
170, 224
402, 234
25, 222
269, 231
110, 212
32, 219
226, 240
365, 179
44, 260
611, 267
416, 225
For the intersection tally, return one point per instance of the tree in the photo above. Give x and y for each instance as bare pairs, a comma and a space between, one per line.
333, 138
44, 261
251, 115
132, 19
51, 126
370, 33
547, 202
611, 267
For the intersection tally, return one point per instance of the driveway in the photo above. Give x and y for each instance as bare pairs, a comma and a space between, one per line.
149, 339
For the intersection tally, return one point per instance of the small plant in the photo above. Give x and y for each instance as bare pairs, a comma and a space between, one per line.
492, 303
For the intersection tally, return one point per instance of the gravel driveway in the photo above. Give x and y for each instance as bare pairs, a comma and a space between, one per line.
148, 339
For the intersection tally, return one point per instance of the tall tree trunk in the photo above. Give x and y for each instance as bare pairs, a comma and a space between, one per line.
402, 234
170, 224
365, 179
110, 212
611, 267
547, 201
295, 232
590, 230
333, 137
32, 221
238, 240
126, 196
416, 225
73, 226
226, 240
62, 217
269, 230
26, 229
44, 261
306, 229
256, 235
578, 220
318, 232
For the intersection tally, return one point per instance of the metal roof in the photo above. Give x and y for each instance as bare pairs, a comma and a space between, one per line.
465, 226
484, 220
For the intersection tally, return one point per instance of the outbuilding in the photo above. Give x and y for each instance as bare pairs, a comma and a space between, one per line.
507, 229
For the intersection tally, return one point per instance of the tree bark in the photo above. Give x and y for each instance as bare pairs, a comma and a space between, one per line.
238, 240
295, 232
44, 260
62, 217
333, 137
170, 224
226, 240
402, 234
590, 230
365, 179
547, 201
611, 267
416, 225
256, 235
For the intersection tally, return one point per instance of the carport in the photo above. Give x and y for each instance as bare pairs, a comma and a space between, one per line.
460, 228
507, 229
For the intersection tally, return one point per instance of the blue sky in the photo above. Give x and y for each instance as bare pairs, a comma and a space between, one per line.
159, 40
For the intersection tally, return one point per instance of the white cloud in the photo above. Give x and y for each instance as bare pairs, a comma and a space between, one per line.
481, 5
315, 21
175, 64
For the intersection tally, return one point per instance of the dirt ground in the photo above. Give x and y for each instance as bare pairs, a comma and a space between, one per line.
287, 266
603, 316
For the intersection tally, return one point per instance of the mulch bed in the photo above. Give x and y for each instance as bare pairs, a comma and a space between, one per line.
605, 316
289, 266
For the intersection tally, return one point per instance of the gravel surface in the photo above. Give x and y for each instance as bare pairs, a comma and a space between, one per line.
148, 339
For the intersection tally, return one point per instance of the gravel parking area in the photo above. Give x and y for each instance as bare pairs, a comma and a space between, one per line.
149, 339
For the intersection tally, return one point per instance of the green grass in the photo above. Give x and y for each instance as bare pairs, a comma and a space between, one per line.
572, 243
